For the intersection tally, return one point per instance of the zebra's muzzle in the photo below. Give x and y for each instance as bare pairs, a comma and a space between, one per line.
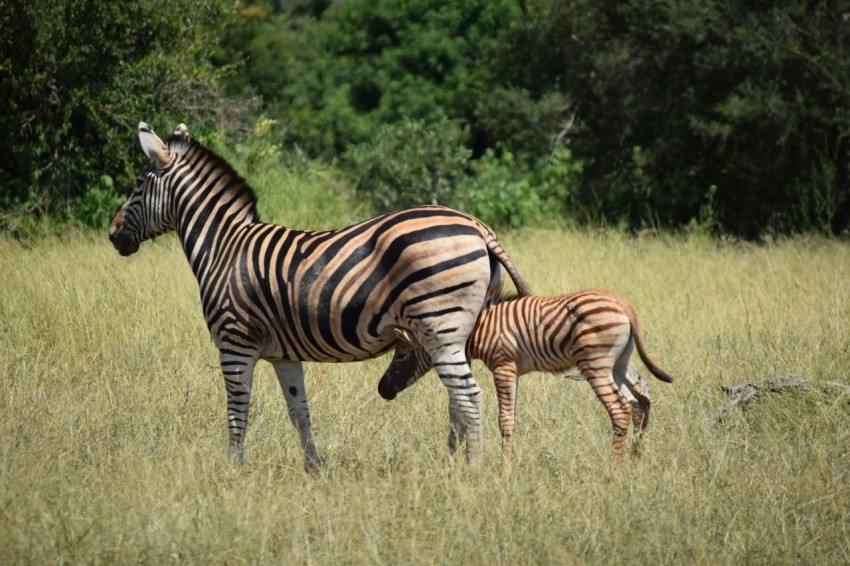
387, 389
119, 238
123, 243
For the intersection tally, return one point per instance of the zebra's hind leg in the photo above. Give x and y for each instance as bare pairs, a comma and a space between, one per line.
290, 375
641, 406
238, 371
601, 379
464, 401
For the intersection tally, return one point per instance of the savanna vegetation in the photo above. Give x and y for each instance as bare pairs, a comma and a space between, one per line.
114, 443
691, 157
726, 116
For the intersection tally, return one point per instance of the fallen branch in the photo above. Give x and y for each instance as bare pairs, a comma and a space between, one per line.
740, 395
846, 388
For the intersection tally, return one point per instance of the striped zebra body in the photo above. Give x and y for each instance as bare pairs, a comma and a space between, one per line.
287, 296
593, 330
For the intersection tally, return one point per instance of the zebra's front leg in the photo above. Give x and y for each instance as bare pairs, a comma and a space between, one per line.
464, 403
290, 375
238, 372
507, 383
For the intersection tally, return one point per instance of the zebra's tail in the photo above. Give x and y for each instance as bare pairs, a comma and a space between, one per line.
496, 250
644, 357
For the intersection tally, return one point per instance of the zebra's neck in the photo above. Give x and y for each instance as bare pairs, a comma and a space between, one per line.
212, 202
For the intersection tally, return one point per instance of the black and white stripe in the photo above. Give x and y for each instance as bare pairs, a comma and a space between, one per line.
593, 330
286, 296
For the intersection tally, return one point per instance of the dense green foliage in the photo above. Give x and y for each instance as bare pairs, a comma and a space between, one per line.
77, 76
743, 105
723, 115
404, 93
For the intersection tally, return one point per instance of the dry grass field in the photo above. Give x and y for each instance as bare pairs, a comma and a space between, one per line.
113, 440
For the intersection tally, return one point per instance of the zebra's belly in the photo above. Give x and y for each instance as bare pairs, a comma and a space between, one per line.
308, 349
529, 362
557, 365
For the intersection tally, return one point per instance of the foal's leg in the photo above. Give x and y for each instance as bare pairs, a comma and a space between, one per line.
507, 382
631, 386
641, 406
601, 379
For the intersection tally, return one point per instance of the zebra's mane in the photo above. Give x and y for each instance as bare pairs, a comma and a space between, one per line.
182, 144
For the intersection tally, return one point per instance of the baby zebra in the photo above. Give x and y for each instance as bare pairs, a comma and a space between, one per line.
593, 330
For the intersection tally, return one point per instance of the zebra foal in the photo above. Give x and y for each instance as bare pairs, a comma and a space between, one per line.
273, 293
593, 330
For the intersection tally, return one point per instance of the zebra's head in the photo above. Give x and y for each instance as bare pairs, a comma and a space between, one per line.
148, 212
409, 363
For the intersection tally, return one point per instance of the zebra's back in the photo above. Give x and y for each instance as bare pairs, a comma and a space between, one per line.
551, 333
335, 296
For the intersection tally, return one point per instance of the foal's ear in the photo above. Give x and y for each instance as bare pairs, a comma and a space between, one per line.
403, 334
154, 148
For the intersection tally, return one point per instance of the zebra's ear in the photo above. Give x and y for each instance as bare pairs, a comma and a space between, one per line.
154, 148
178, 142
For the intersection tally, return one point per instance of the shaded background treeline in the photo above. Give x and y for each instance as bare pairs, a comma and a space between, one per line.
722, 116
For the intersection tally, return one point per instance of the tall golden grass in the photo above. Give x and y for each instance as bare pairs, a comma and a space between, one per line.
113, 438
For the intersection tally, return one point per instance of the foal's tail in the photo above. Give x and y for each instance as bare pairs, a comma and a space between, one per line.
644, 357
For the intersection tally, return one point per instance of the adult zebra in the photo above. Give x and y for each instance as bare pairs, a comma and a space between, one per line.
287, 296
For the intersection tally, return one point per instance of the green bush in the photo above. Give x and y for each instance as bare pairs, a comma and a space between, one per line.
410, 163
505, 195
76, 77
292, 189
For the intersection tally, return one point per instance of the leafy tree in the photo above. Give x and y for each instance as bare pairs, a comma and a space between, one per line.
76, 77
676, 103
335, 80
404, 93
733, 115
